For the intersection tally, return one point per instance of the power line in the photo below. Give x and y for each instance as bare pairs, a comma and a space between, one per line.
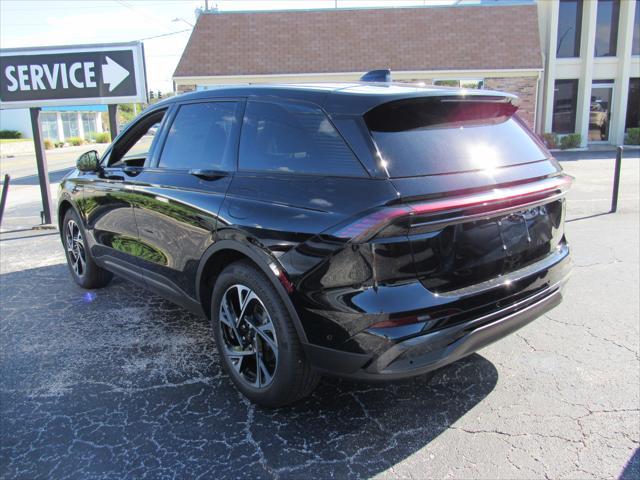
164, 35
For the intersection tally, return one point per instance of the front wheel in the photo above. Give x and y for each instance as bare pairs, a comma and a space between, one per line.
256, 338
83, 269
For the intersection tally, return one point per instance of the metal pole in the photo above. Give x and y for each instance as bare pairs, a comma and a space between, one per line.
113, 121
616, 180
41, 161
3, 200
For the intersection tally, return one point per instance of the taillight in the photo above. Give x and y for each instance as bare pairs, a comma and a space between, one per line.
369, 225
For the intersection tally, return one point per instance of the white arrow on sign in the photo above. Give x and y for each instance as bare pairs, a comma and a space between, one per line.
113, 73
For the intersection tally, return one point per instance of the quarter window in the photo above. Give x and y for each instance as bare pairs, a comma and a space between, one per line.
201, 137
293, 138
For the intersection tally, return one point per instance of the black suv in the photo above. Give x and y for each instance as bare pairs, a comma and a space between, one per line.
368, 230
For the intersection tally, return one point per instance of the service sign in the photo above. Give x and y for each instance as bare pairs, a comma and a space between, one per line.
74, 75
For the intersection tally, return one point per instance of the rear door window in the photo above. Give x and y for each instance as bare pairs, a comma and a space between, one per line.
431, 136
289, 137
201, 137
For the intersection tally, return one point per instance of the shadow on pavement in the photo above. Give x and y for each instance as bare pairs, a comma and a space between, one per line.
120, 383
54, 177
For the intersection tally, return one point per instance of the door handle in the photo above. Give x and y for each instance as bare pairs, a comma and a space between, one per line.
207, 174
114, 176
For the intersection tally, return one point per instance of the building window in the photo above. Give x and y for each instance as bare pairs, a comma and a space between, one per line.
70, 124
49, 125
565, 99
460, 83
633, 116
635, 48
89, 124
569, 27
607, 28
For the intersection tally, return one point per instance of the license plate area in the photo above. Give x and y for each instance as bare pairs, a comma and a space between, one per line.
470, 252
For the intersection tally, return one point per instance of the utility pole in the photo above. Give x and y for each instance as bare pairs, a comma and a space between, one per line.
206, 5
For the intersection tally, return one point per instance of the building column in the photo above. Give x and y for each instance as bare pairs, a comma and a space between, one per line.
587, 48
98, 122
552, 9
621, 87
60, 127
80, 125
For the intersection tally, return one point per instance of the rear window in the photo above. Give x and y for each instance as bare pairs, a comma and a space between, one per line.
431, 136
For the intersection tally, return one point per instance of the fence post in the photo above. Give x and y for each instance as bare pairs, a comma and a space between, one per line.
3, 200
616, 180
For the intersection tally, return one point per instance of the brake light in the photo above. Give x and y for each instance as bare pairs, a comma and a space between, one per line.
519, 194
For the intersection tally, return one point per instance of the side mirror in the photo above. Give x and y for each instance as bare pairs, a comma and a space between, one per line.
88, 161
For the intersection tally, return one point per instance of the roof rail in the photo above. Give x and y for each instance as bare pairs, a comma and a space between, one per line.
383, 75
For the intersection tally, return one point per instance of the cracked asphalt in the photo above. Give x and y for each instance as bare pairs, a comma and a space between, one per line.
118, 383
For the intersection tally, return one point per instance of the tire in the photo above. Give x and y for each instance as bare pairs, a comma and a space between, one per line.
81, 265
263, 332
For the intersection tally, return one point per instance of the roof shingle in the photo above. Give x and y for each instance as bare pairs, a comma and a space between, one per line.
333, 41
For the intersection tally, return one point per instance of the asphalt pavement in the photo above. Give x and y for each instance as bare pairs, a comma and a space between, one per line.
118, 383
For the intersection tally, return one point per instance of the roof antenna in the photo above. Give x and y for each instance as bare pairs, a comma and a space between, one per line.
383, 75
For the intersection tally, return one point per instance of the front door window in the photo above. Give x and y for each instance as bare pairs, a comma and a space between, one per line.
600, 112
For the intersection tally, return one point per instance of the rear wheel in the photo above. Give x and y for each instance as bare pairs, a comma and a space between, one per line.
83, 268
257, 340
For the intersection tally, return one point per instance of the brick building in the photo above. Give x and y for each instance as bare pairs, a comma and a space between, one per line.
495, 46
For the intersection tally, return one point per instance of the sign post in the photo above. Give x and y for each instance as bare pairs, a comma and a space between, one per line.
71, 75
41, 162
113, 120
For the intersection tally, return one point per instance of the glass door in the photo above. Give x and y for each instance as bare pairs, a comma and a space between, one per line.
600, 111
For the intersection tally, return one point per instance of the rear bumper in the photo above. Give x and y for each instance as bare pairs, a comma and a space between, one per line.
431, 351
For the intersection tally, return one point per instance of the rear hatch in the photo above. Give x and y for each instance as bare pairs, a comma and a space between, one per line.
477, 193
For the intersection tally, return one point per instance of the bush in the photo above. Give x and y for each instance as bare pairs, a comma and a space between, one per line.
48, 144
10, 134
103, 137
75, 141
573, 140
633, 136
550, 140
59, 144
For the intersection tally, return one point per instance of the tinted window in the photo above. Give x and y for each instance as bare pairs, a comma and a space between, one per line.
635, 48
289, 137
565, 98
569, 25
434, 136
633, 102
200, 137
607, 28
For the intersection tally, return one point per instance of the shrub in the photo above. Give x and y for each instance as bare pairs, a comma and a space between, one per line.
573, 140
10, 134
75, 141
550, 140
59, 144
103, 137
633, 136
48, 144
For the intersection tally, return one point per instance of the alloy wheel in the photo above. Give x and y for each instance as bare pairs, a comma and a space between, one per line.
75, 248
248, 336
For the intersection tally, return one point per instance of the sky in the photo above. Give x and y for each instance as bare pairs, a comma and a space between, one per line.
163, 25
